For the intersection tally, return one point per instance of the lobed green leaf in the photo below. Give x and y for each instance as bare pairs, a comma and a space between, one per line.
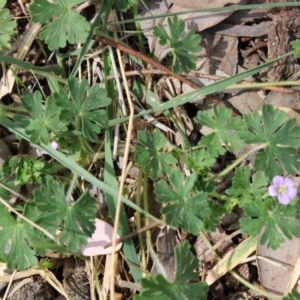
273, 224
66, 25
77, 219
180, 45
85, 106
281, 137
7, 26
225, 130
149, 157
15, 236
248, 188
182, 206
43, 120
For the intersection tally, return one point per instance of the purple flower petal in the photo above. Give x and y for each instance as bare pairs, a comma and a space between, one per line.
283, 199
273, 191
289, 182
292, 193
278, 180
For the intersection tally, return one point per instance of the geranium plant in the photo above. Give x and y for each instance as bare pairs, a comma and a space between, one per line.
74, 119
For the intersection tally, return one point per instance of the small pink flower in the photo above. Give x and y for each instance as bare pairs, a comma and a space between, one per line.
54, 145
283, 188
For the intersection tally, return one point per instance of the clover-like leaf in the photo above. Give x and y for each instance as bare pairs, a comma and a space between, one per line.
86, 107
182, 206
246, 189
42, 120
281, 137
225, 130
7, 25
180, 45
185, 284
275, 224
149, 157
66, 25
77, 219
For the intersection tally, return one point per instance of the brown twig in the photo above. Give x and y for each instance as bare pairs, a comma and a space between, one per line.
144, 58
129, 285
260, 44
132, 234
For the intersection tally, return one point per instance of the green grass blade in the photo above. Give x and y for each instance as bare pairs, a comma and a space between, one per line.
43, 71
204, 91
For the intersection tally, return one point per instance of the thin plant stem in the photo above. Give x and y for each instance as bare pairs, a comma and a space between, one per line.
222, 197
13, 108
262, 85
146, 208
218, 244
153, 255
139, 30
139, 222
95, 155
71, 188
192, 149
91, 276
9, 285
237, 162
165, 53
96, 279
139, 231
253, 287
118, 83
13, 192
